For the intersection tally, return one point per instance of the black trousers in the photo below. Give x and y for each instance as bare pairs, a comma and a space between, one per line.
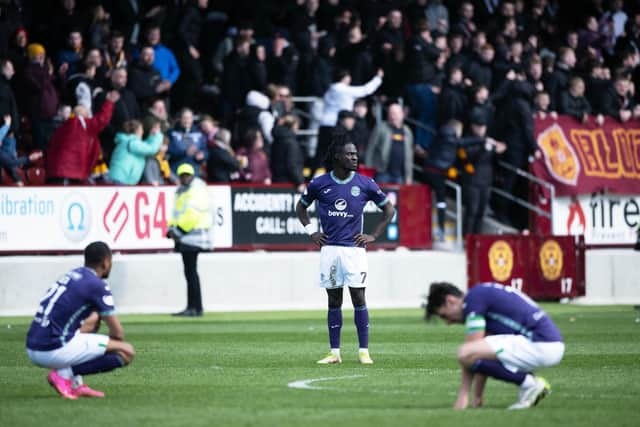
475, 199
190, 262
185, 91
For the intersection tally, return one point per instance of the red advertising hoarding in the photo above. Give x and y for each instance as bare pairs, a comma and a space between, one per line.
582, 158
596, 174
543, 267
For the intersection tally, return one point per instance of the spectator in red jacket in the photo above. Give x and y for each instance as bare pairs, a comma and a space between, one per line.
74, 147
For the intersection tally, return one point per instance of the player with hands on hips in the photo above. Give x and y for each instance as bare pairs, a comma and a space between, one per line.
341, 195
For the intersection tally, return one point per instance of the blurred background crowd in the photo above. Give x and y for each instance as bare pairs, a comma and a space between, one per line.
123, 91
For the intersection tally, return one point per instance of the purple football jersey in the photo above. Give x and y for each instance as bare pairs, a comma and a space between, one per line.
505, 310
340, 204
65, 305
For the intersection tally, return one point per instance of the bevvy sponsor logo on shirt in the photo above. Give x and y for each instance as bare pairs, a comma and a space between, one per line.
341, 206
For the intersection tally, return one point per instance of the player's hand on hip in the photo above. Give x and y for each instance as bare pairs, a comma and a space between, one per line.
363, 239
319, 238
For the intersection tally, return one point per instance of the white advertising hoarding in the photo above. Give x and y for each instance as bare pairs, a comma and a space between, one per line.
127, 218
604, 219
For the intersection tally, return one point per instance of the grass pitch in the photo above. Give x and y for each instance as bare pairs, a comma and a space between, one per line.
233, 369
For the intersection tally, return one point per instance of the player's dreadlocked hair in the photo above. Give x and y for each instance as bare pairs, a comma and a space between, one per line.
339, 138
438, 295
95, 252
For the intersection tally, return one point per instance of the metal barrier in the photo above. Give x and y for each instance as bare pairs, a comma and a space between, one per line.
310, 134
531, 178
308, 111
458, 215
421, 125
522, 173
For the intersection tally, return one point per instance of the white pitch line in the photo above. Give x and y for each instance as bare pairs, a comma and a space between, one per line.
307, 384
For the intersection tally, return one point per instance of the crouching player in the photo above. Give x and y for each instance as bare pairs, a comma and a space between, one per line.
62, 335
508, 337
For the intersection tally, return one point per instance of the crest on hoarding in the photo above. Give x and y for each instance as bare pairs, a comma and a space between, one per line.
500, 260
559, 156
551, 260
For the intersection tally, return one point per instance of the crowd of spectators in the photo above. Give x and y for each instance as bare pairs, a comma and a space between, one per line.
123, 91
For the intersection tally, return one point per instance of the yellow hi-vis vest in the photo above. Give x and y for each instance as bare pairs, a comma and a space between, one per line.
192, 214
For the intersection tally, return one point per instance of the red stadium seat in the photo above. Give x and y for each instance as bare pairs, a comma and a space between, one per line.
5, 179
36, 176
368, 172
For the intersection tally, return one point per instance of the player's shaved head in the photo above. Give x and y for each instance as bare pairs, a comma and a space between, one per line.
95, 253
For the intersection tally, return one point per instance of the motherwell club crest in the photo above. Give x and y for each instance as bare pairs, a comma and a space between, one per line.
559, 156
551, 260
500, 260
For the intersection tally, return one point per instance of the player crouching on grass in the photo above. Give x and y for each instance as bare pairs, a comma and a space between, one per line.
342, 195
508, 336
62, 335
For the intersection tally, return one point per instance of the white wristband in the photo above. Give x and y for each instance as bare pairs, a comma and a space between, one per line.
310, 229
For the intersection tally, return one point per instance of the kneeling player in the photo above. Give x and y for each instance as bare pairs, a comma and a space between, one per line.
508, 337
62, 335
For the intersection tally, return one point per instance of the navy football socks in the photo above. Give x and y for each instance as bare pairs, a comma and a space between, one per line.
105, 363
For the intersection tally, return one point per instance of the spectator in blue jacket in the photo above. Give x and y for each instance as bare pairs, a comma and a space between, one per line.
187, 143
129, 157
72, 54
164, 61
9, 162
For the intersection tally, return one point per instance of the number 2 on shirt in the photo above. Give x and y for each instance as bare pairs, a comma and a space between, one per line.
53, 294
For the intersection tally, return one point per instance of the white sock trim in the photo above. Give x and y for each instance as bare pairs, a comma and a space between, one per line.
65, 373
77, 381
529, 381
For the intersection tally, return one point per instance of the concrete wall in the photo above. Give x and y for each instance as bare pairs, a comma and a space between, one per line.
613, 276
232, 281
148, 283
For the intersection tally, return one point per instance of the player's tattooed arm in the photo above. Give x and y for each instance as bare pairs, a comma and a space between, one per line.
91, 324
387, 215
